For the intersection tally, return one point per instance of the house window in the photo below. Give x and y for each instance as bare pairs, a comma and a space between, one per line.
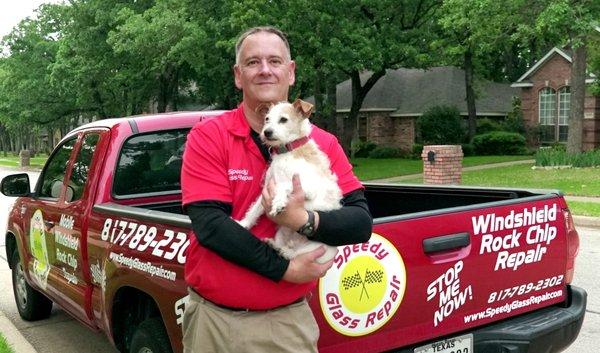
554, 113
564, 109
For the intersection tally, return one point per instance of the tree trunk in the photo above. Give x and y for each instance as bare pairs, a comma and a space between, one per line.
470, 93
575, 137
359, 92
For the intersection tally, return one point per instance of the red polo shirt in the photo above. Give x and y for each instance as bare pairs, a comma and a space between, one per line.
223, 163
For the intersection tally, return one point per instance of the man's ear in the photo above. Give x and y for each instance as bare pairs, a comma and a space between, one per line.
302, 107
263, 108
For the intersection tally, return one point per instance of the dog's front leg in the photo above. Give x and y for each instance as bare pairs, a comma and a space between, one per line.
253, 213
280, 199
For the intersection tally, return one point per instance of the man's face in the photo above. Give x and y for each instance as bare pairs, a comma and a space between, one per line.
263, 73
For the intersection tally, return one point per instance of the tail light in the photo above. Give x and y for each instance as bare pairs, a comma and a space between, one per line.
572, 245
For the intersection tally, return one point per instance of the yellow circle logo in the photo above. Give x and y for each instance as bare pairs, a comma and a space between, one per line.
364, 287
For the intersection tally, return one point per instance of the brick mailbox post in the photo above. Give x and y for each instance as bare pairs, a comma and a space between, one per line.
442, 164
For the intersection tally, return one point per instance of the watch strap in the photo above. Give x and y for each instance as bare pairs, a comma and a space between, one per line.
308, 229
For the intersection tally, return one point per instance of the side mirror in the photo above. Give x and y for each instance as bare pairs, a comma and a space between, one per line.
16, 185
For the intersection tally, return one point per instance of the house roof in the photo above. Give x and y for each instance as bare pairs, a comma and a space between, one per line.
410, 92
523, 80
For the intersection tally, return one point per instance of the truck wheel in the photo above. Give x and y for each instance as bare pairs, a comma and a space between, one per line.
32, 305
150, 337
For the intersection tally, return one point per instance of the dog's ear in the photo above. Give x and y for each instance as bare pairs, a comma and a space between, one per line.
302, 107
263, 108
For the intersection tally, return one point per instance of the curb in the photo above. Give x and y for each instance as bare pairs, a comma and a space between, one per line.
585, 221
14, 338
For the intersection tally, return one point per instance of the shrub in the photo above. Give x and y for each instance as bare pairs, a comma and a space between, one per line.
468, 149
385, 152
486, 125
499, 143
417, 149
558, 156
440, 125
514, 120
363, 148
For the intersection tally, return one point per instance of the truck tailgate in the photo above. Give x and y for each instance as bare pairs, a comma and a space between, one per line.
431, 275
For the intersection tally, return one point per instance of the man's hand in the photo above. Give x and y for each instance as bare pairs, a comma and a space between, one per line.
305, 268
294, 215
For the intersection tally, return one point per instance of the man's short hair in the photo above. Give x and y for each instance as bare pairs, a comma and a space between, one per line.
253, 30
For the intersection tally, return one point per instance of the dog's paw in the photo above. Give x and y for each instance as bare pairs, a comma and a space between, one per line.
276, 209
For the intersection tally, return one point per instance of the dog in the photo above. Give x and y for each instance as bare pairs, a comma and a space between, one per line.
286, 131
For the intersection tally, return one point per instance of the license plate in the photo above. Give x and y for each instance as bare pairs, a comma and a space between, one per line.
460, 344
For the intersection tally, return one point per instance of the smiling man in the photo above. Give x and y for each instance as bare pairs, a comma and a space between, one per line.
245, 297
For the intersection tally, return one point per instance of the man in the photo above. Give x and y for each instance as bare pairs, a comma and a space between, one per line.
244, 297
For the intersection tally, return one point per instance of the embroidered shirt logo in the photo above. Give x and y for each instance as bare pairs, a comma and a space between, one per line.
239, 174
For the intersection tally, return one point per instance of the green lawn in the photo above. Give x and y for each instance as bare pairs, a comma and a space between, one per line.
576, 181
368, 169
13, 161
4, 347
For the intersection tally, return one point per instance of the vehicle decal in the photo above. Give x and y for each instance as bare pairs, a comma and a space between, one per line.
99, 274
514, 305
450, 295
364, 288
180, 308
145, 266
39, 249
537, 236
170, 244
509, 293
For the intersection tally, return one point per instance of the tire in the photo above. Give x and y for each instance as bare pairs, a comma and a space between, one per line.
150, 337
32, 305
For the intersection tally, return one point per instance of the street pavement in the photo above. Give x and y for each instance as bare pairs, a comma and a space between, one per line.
61, 333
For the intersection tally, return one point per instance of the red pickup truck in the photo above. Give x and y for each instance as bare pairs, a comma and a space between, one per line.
447, 269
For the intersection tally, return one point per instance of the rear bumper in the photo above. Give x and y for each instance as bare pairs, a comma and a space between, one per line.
550, 329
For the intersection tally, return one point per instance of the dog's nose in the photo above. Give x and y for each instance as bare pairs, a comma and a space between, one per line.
268, 133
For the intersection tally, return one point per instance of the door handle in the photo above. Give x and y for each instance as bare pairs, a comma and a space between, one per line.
446, 242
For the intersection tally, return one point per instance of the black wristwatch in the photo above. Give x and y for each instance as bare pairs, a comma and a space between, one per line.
308, 229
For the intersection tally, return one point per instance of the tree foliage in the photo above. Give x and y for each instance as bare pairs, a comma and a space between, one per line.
94, 59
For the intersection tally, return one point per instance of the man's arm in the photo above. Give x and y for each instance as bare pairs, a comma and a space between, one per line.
217, 231
350, 224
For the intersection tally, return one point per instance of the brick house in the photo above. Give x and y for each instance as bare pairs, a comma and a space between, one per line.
546, 99
390, 110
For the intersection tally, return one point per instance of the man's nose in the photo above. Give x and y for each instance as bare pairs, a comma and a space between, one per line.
268, 133
264, 67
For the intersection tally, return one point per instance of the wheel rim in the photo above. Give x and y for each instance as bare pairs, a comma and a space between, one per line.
20, 286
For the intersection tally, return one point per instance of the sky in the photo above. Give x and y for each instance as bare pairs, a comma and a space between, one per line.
13, 11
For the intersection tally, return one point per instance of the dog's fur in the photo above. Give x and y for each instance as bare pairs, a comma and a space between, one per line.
286, 122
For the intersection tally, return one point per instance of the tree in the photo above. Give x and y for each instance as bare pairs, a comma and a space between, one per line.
572, 22
163, 43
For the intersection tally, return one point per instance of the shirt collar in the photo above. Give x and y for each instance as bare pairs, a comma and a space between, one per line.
239, 124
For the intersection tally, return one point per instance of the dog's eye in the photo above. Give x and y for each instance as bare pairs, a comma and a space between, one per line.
282, 120
266, 119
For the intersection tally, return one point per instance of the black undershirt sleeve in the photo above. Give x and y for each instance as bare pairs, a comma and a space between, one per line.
350, 224
216, 231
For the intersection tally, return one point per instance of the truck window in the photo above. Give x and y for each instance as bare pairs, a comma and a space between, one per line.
53, 176
81, 167
150, 163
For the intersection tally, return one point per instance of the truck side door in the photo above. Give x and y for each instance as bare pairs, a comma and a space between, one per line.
58, 222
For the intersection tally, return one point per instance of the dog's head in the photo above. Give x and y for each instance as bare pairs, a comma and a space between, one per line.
286, 122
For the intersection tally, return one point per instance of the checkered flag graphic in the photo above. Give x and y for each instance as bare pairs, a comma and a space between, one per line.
373, 277
352, 281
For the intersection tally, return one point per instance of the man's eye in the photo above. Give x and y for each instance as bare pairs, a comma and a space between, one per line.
283, 120
276, 61
252, 63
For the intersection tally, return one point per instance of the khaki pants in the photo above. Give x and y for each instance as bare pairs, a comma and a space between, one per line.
208, 328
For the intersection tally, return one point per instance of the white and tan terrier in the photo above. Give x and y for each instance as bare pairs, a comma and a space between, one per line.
286, 131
